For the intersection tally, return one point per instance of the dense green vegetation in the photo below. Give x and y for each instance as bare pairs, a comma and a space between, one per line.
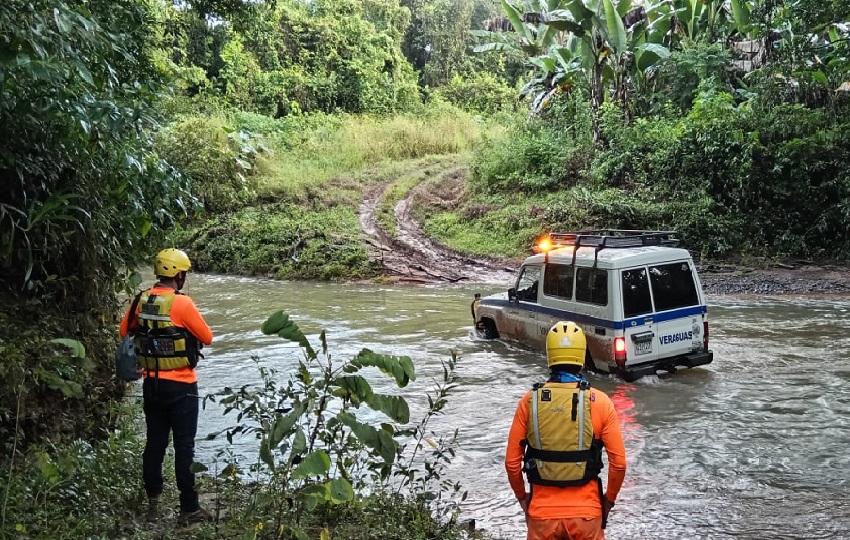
248, 132
726, 121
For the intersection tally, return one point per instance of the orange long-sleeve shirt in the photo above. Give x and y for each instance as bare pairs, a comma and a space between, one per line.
184, 314
550, 502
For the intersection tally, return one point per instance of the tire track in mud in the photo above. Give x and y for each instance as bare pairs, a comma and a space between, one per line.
410, 255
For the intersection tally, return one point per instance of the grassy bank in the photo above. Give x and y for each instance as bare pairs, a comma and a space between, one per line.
735, 180
290, 207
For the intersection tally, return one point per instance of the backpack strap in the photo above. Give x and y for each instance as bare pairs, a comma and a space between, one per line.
131, 318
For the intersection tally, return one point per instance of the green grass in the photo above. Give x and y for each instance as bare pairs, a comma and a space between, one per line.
400, 188
282, 240
326, 152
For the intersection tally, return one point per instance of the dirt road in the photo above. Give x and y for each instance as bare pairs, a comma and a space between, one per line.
400, 246
407, 253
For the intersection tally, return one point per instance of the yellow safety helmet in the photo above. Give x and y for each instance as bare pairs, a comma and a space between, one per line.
566, 344
170, 262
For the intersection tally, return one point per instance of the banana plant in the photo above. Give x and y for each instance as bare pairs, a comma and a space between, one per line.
572, 42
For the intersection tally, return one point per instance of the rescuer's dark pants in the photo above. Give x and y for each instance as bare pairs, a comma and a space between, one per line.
171, 407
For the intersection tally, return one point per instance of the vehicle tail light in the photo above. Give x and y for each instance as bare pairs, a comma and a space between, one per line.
705, 335
620, 351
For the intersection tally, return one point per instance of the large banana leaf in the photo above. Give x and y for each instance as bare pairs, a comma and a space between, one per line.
616, 29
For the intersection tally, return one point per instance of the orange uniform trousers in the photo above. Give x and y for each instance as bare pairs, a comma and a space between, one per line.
565, 529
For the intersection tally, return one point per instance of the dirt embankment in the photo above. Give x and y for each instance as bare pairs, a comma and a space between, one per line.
408, 254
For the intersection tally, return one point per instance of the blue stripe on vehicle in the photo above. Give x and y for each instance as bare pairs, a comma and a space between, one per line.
587, 319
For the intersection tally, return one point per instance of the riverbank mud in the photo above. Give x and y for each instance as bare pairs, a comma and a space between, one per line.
797, 277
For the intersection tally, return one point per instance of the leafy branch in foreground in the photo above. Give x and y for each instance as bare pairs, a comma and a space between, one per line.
316, 451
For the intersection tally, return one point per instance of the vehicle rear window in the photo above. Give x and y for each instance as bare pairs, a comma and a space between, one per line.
558, 281
673, 286
592, 286
636, 299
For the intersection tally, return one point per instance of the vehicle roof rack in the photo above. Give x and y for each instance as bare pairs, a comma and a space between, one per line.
613, 239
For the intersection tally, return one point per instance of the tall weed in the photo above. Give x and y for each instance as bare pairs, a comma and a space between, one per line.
312, 153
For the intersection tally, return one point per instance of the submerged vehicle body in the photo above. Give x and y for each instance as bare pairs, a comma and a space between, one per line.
637, 297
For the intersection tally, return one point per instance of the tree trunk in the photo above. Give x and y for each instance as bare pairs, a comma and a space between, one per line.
597, 97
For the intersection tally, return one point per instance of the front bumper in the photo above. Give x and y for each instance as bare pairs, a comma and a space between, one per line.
633, 373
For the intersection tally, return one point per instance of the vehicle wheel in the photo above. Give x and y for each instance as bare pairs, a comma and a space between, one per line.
630, 377
490, 331
589, 366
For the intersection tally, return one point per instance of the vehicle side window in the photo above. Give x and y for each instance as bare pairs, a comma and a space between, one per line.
673, 286
636, 299
526, 288
592, 286
558, 281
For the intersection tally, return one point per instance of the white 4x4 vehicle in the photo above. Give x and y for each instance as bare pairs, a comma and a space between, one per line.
637, 297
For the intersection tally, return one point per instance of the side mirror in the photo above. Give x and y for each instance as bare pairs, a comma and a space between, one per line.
512, 294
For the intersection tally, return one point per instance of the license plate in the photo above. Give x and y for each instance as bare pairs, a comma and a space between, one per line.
643, 347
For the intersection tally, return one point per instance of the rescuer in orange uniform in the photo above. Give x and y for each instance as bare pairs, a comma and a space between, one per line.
557, 437
169, 333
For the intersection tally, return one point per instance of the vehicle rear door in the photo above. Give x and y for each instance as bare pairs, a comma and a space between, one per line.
679, 314
639, 323
523, 312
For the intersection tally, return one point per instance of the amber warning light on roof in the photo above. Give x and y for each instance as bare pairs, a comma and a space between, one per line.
546, 243
542, 244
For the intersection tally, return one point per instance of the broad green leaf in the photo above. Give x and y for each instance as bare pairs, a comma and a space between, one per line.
315, 463
365, 433
563, 21
356, 386
280, 323
616, 29
299, 443
623, 7
545, 63
820, 77
388, 446
393, 406
400, 367
283, 424
298, 533
741, 15
492, 47
660, 51
315, 495
340, 490
77, 349
515, 16
378, 439
84, 73
197, 467
266, 454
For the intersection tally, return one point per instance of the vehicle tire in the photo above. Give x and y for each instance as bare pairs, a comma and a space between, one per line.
490, 331
630, 377
589, 366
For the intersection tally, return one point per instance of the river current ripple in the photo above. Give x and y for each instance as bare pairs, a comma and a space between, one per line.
753, 446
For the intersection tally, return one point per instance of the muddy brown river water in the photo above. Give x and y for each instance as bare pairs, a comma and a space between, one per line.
756, 445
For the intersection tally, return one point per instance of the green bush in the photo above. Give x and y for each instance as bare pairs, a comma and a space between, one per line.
281, 240
76, 489
757, 178
218, 159
479, 92
537, 155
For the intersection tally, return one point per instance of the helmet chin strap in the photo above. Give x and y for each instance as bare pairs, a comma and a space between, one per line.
180, 280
